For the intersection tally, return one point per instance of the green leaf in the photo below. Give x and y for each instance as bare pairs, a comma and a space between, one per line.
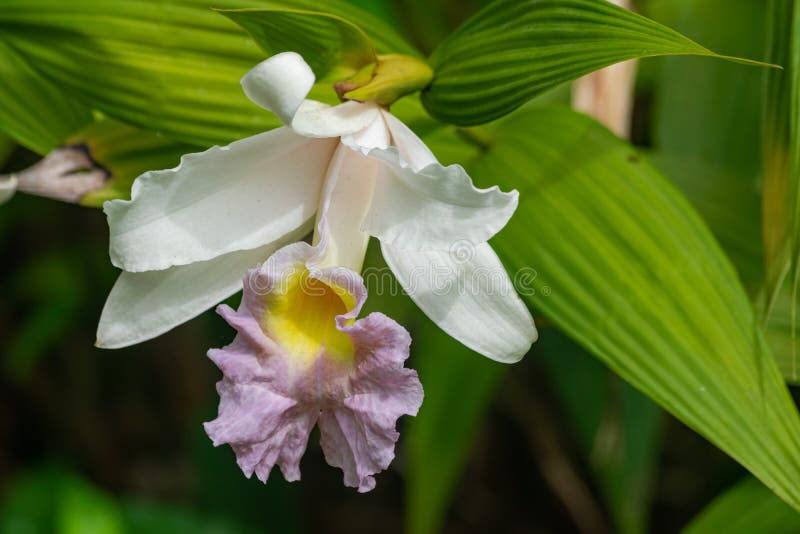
636, 278
729, 203
83, 509
746, 508
32, 111
7, 146
709, 111
383, 10
782, 333
515, 49
441, 436
781, 187
781, 153
706, 121
53, 499
170, 67
325, 41
717, 165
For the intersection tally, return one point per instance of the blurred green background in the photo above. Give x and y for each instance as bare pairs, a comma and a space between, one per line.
111, 441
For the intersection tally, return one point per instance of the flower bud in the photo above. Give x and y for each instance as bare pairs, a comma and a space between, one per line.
393, 76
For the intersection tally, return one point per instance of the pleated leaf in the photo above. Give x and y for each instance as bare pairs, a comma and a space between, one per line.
326, 41
33, 111
746, 508
781, 186
635, 276
170, 67
710, 111
706, 124
729, 204
779, 153
513, 50
782, 333
717, 166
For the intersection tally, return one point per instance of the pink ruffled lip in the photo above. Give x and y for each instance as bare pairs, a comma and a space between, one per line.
269, 404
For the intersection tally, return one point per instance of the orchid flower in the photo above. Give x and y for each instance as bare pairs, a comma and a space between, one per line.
188, 234
300, 356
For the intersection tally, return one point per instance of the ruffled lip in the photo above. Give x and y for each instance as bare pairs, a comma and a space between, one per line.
268, 405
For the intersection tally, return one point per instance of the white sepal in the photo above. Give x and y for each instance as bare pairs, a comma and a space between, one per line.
142, 306
434, 207
469, 295
239, 197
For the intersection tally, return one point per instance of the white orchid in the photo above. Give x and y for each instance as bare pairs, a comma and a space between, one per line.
189, 234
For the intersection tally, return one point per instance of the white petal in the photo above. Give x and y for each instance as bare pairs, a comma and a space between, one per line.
374, 135
412, 149
238, 197
142, 306
279, 84
434, 208
315, 119
345, 200
469, 296
8, 186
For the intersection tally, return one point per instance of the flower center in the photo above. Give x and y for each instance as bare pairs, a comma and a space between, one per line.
302, 319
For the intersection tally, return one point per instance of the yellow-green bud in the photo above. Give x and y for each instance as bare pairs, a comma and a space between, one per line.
393, 76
